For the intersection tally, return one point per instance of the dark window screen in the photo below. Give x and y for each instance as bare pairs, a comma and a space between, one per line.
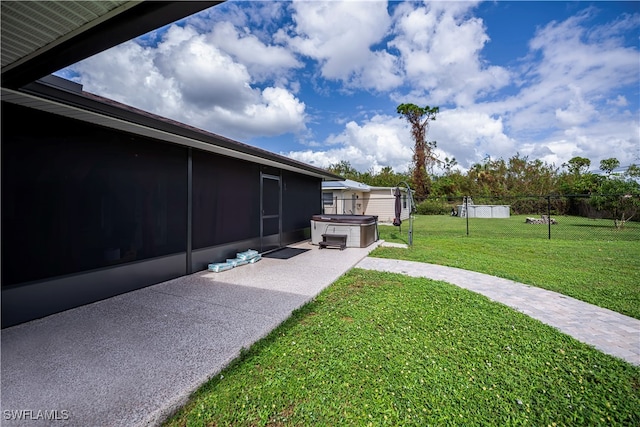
270, 226
76, 197
270, 196
301, 199
226, 200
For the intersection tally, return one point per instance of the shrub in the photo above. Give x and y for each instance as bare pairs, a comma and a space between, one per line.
436, 206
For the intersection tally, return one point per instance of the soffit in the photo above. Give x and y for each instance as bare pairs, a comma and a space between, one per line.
41, 37
29, 27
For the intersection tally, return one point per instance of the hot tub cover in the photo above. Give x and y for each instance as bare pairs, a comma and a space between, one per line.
346, 219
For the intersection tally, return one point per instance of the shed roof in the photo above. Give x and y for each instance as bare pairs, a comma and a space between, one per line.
390, 188
347, 184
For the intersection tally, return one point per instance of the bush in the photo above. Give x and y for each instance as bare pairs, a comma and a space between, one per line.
437, 206
529, 206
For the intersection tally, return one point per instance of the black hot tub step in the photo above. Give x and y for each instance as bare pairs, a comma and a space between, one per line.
335, 240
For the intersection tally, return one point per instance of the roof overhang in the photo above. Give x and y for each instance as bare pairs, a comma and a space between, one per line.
390, 188
41, 37
78, 106
346, 185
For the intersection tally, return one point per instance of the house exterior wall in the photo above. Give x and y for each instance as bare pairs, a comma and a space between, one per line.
381, 202
378, 201
77, 198
345, 202
301, 199
329, 202
89, 212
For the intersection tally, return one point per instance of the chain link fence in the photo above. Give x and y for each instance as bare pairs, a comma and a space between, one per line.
575, 217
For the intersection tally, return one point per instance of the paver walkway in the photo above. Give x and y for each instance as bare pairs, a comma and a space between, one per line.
606, 330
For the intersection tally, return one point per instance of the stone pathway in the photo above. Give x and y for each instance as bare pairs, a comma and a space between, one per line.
606, 330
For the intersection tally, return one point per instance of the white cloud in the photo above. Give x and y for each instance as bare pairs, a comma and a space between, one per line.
277, 112
470, 136
262, 18
375, 143
262, 61
619, 101
206, 76
340, 36
554, 151
440, 49
247, 69
569, 73
126, 73
189, 78
577, 112
570, 102
619, 138
386, 141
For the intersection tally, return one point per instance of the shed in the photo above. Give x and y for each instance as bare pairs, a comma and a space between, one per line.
344, 197
355, 198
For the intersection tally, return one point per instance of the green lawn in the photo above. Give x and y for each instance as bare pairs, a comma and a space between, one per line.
383, 349
586, 259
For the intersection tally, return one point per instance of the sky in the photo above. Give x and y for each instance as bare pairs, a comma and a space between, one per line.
320, 81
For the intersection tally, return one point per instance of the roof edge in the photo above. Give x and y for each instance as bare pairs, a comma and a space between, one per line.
107, 113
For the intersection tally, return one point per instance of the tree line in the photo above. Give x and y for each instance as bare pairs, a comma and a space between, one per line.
611, 190
516, 176
617, 192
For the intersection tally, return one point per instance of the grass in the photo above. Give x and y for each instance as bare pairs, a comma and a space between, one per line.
585, 259
384, 349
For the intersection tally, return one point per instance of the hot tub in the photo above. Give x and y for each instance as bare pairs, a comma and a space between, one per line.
361, 230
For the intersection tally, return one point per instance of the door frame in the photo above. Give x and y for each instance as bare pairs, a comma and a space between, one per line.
272, 241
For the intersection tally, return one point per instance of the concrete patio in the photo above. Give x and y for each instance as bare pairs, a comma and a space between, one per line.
132, 359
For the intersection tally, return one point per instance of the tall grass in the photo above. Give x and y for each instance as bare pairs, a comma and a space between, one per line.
586, 259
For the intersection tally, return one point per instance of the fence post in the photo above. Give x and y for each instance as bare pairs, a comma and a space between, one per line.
549, 215
466, 212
